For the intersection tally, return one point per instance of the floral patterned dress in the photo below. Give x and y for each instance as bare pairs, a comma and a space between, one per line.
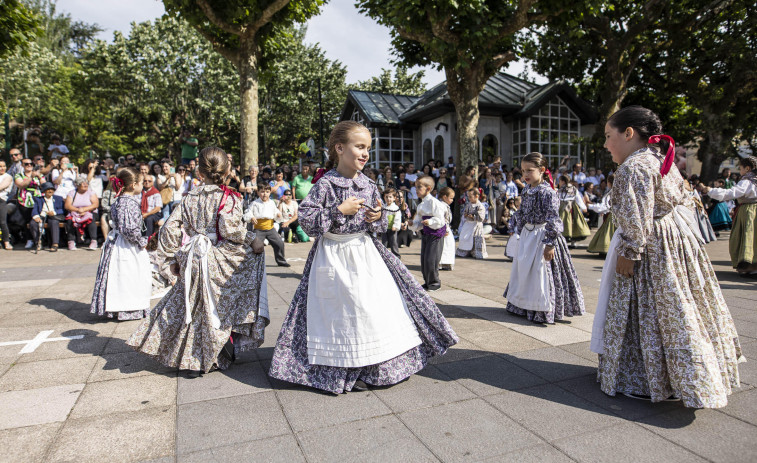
126, 215
471, 232
668, 330
540, 205
237, 284
319, 214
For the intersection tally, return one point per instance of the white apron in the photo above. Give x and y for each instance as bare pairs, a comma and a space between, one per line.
512, 246
448, 251
530, 287
129, 277
356, 315
465, 240
197, 249
605, 287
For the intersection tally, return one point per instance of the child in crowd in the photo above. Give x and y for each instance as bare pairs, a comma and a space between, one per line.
429, 221
512, 243
697, 208
662, 328
572, 208
262, 213
404, 235
720, 213
123, 284
393, 220
601, 241
543, 282
471, 232
447, 197
219, 304
290, 227
358, 317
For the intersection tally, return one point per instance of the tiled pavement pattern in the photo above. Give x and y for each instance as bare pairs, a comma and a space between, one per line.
510, 391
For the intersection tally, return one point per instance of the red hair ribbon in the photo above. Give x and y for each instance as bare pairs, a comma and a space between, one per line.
318, 174
669, 156
481, 192
226, 193
117, 185
549, 176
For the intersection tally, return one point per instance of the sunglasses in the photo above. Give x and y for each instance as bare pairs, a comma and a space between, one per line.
27, 163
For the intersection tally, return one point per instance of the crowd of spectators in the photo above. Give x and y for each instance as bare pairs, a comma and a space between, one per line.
44, 191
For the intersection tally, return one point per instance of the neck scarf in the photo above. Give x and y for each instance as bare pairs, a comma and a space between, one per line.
146, 194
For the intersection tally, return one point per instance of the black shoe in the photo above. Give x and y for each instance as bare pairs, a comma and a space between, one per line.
360, 386
433, 288
424, 286
285, 264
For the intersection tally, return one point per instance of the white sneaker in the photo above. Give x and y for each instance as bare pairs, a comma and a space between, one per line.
265, 242
29, 244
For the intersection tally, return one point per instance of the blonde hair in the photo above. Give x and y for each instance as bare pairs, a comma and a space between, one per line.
426, 180
341, 134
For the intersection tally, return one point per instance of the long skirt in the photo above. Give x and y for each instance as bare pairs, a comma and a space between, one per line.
743, 243
601, 241
99, 295
668, 331
448, 252
567, 297
720, 217
575, 227
471, 241
705, 227
290, 357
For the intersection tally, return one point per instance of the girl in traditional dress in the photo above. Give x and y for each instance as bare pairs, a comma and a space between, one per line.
358, 317
572, 208
471, 232
543, 282
124, 277
720, 212
699, 213
219, 305
662, 327
447, 196
601, 241
743, 242
394, 221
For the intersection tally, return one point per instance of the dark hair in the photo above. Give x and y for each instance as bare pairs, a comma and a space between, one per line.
128, 175
750, 162
340, 134
278, 171
390, 191
535, 158
213, 163
264, 186
610, 179
644, 121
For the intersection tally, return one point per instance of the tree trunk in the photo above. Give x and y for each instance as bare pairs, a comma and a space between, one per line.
248, 92
463, 92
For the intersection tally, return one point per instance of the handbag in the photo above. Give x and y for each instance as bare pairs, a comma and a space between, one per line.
166, 195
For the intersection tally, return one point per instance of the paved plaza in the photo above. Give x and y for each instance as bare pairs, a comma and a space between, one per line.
71, 390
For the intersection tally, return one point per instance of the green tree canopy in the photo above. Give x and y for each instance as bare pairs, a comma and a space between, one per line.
19, 26
403, 82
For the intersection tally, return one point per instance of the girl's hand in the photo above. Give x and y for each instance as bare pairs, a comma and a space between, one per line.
624, 267
350, 206
372, 215
257, 246
549, 253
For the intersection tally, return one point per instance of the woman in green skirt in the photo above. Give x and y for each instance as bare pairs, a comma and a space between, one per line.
601, 241
572, 210
743, 244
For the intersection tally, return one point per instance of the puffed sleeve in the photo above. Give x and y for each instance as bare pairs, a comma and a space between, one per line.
170, 236
381, 224
231, 227
550, 204
480, 212
633, 209
738, 190
318, 211
129, 224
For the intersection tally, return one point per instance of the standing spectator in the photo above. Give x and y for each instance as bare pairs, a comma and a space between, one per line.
56, 148
95, 177
593, 177
233, 180
131, 161
163, 184
6, 184
144, 169
39, 164
48, 209
81, 204
188, 147
27, 188
410, 174
388, 178
34, 146
511, 188
63, 177
151, 204
443, 181
577, 175
302, 183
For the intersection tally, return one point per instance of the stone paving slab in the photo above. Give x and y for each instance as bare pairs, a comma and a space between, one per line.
510, 390
37, 406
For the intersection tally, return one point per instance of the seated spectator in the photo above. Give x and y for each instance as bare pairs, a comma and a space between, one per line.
63, 177
81, 204
56, 148
6, 184
48, 209
27, 188
279, 185
151, 205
